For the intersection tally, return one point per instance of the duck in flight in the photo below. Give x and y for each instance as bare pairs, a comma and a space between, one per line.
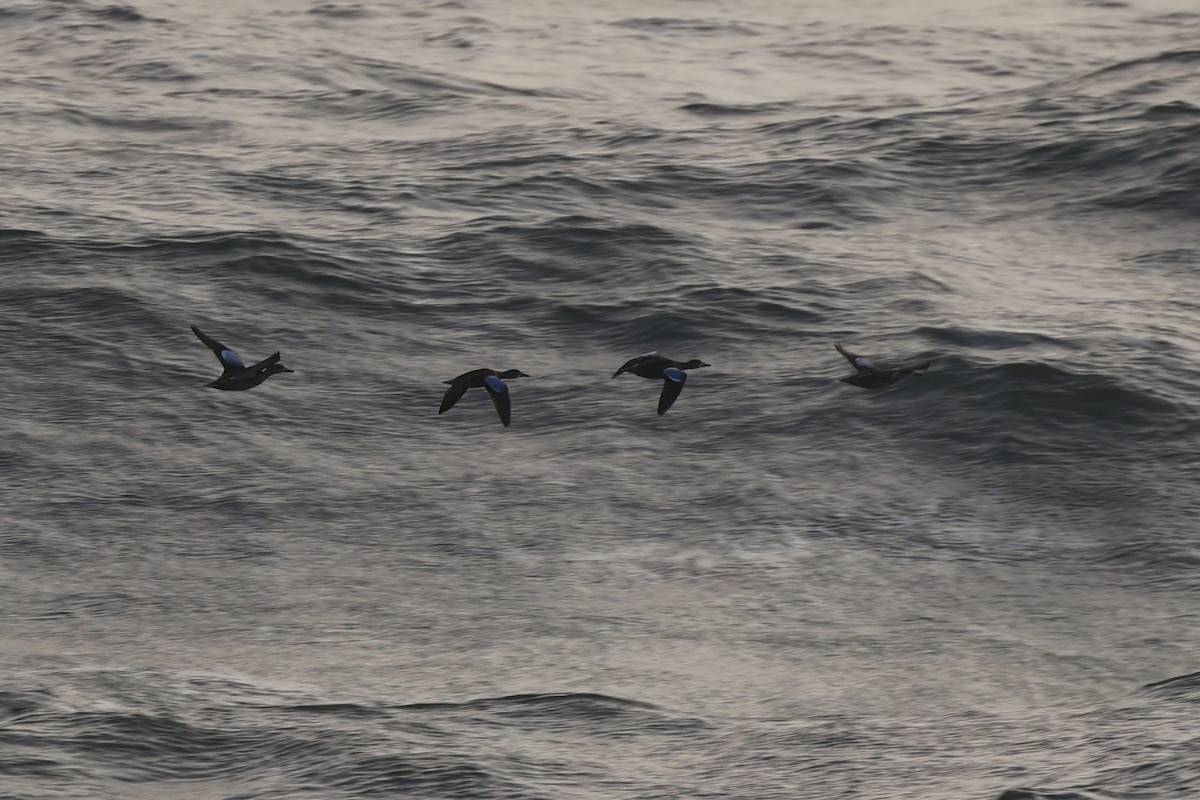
237, 376
668, 370
869, 376
488, 379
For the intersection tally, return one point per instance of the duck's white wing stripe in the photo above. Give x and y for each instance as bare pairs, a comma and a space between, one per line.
675, 375
495, 385
231, 359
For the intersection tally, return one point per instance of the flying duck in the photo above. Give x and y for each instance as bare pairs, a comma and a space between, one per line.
869, 376
670, 371
488, 379
237, 376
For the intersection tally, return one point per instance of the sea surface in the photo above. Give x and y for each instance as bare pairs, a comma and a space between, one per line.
979, 583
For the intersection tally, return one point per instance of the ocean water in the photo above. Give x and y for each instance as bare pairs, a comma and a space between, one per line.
980, 583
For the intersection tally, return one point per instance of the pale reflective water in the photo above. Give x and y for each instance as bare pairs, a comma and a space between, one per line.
978, 583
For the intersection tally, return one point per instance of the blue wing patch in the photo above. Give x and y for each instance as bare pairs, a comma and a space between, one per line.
674, 374
231, 359
495, 385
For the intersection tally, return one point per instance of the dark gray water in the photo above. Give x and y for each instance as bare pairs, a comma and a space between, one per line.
978, 583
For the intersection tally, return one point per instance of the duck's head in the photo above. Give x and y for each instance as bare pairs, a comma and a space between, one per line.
276, 368
695, 363
511, 373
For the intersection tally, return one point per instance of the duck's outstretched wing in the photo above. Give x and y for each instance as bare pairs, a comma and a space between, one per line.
457, 389
230, 360
860, 363
498, 389
266, 362
633, 362
673, 380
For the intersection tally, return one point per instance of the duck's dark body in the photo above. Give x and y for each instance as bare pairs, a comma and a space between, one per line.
488, 379
869, 376
237, 376
667, 370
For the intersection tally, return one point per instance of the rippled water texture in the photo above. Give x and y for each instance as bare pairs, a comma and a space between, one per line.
979, 582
